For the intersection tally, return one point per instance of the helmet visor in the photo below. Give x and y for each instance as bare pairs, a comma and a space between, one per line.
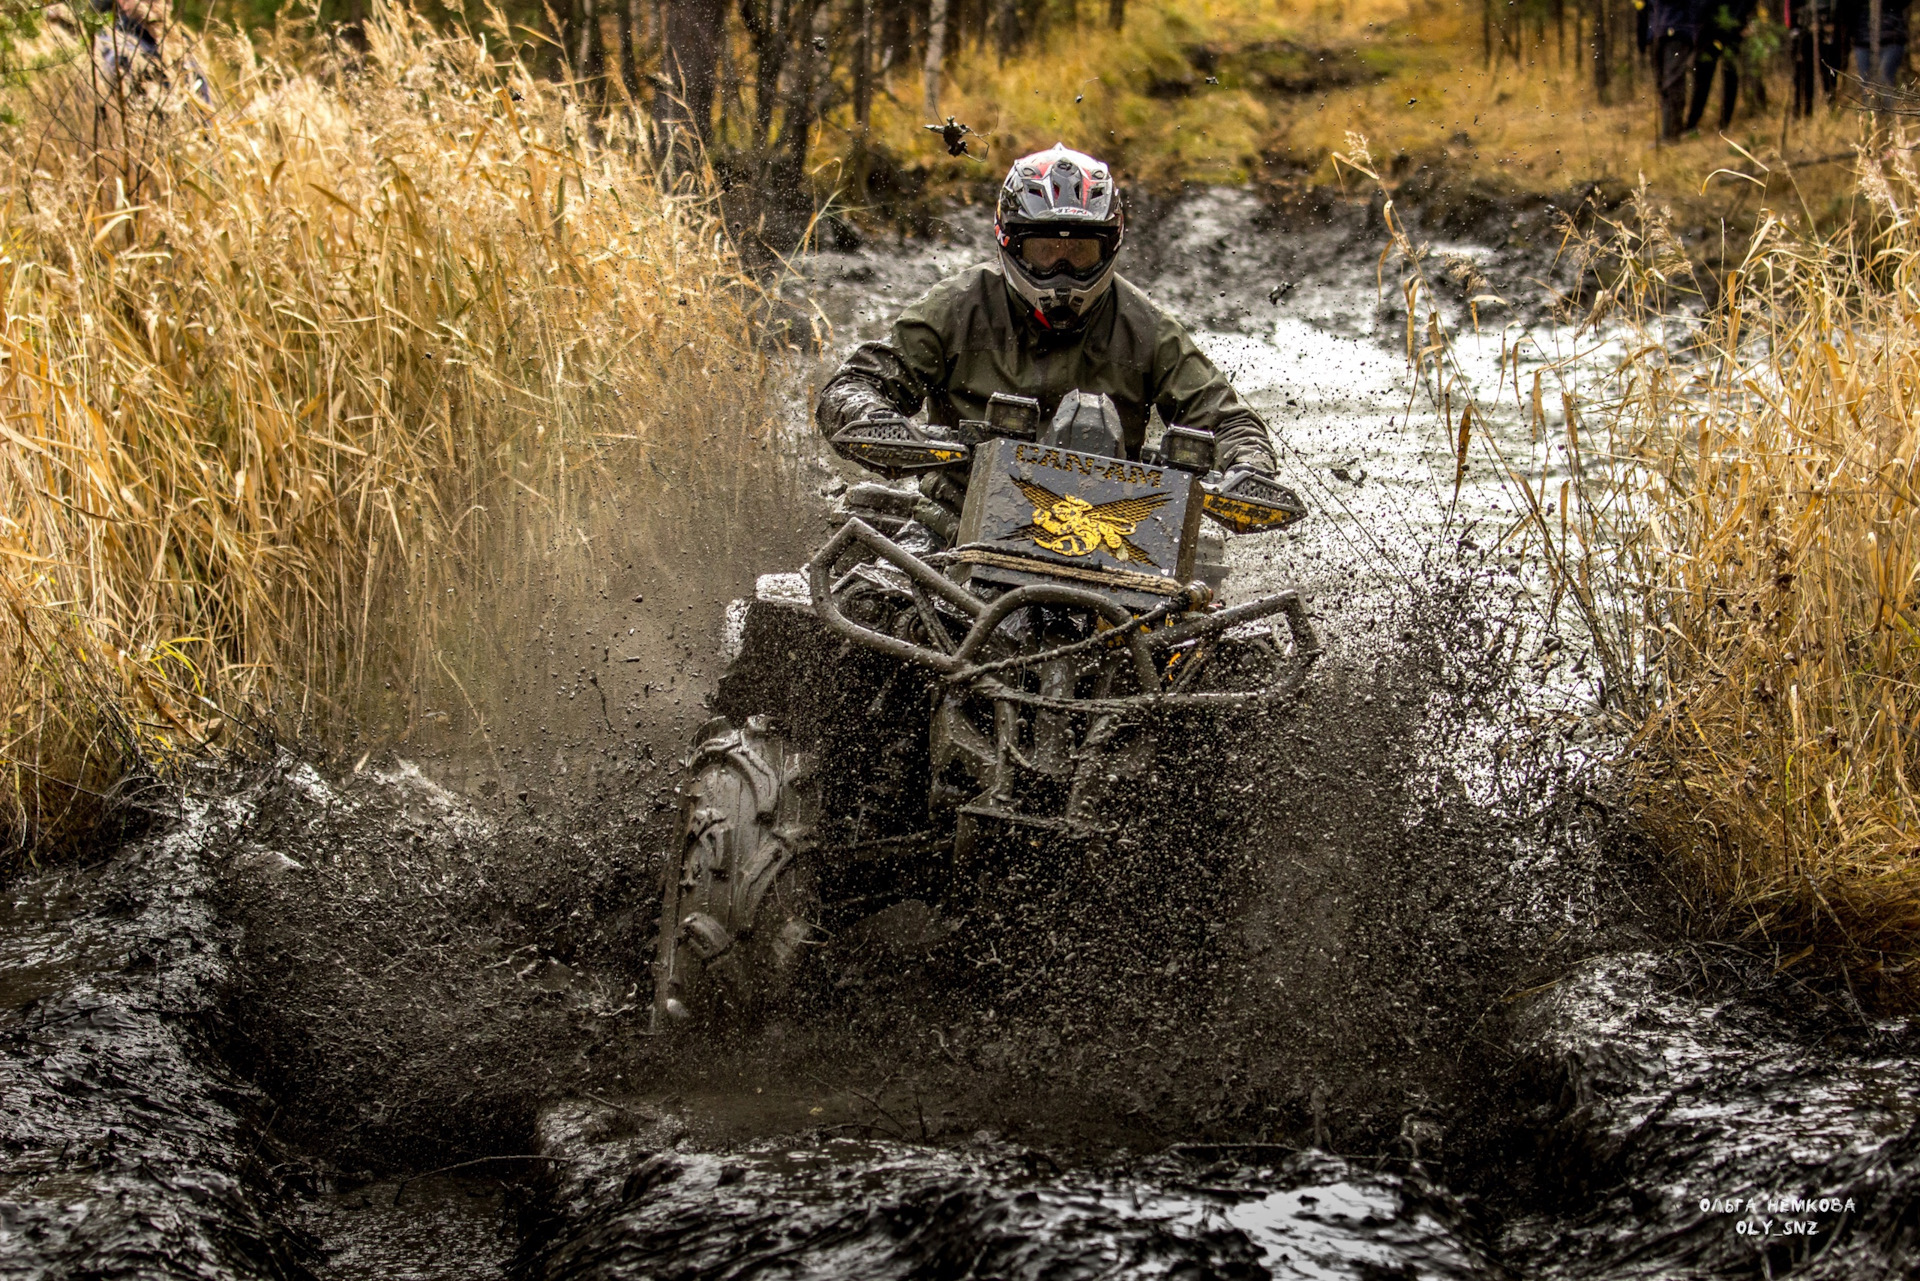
1045, 255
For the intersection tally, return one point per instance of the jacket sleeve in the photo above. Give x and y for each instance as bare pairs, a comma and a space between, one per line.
1192, 392
895, 376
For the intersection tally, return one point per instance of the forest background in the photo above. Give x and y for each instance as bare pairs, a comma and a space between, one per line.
1536, 97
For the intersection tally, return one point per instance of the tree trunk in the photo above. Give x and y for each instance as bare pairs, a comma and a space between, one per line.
790, 171
936, 54
1874, 97
1626, 29
1602, 53
1006, 27
770, 31
862, 98
893, 35
629, 17
690, 60
862, 69
1116, 14
590, 63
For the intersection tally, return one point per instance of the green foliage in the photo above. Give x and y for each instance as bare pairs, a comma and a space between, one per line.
1764, 40
246, 14
19, 22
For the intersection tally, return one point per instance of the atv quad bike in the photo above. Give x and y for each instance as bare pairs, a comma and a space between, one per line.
931, 686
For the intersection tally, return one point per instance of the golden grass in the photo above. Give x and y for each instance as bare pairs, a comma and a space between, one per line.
1782, 514
1536, 126
285, 383
1030, 101
1735, 525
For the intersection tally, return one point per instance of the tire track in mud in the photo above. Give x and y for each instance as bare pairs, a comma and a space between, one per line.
128, 1148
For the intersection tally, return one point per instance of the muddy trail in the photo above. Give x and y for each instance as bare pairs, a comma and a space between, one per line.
1388, 987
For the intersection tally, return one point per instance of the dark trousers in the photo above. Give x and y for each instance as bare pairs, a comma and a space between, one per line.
1817, 43
1712, 56
1878, 80
1673, 58
1812, 68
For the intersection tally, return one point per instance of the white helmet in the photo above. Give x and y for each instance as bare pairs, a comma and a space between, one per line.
1058, 223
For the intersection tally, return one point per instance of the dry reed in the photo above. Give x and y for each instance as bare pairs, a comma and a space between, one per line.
280, 372
1779, 489
1735, 527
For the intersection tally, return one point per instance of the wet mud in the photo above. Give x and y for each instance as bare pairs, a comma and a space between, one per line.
630, 1205
1384, 985
128, 1146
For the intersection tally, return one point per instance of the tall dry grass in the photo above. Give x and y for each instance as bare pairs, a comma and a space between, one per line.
288, 380
1734, 523
1779, 487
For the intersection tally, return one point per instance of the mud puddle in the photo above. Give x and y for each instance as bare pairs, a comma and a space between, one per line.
1437, 1021
127, 1146
844, 1207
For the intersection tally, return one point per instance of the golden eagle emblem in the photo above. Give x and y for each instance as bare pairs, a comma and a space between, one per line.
1075, 527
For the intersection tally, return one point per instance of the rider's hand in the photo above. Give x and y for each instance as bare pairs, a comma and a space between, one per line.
1256, 481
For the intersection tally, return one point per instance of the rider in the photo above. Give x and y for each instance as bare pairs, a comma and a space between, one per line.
1051, 316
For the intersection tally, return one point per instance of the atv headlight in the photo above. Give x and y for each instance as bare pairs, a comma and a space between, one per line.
1188, 448
894, 447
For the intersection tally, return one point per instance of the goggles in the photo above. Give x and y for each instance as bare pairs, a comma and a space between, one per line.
1056, 252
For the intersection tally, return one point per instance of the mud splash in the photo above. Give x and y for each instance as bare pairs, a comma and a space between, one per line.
1436, 1020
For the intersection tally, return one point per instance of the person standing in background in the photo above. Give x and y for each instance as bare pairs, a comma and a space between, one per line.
1878, 77
1676, 29
1816, 51
1720, 37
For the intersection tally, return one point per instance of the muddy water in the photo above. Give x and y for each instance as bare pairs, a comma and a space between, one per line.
832, 1207
435, 1227
355, 1026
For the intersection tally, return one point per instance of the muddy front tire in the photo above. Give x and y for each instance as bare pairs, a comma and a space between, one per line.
740, 900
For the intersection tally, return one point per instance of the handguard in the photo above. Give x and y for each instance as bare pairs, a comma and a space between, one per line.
1248, 502
894, 447
1245, 500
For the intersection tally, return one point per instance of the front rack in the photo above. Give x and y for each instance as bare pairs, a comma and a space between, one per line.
1142, 634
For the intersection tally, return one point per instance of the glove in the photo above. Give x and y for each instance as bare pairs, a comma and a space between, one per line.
847, 401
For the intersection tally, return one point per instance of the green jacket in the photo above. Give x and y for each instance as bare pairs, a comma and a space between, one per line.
963, 341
